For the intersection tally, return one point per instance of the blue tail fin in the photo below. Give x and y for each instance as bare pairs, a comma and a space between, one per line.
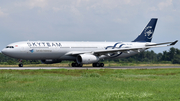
148, 31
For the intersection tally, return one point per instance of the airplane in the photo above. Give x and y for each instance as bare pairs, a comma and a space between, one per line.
83, 52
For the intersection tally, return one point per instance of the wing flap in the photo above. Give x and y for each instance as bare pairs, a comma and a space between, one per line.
117, 50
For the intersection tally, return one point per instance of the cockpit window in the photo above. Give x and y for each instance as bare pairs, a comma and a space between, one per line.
9, 46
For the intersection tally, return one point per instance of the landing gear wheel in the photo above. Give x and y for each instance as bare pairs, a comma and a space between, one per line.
94, 64
97, 64
80, 65
76, 65
73, 64
20, 65
101, 65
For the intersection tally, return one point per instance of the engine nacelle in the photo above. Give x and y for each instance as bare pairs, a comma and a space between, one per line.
51, 61
86, 59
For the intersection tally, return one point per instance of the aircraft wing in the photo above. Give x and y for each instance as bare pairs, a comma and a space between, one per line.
103, 52
147, 46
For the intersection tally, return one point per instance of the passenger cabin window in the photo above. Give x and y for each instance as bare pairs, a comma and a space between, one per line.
9, 46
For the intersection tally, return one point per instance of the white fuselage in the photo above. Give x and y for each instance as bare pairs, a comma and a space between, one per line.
60, 49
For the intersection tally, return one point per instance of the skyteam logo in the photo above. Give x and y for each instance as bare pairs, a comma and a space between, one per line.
32, 51
148, 31
113, 55
115, 46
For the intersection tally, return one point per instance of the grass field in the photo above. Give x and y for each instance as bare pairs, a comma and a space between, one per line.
90, 85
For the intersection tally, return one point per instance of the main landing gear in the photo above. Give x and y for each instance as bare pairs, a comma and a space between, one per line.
98, 64
76, 65
94, 65
20, 63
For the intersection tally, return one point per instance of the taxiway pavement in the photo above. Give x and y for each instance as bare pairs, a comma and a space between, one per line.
149, 67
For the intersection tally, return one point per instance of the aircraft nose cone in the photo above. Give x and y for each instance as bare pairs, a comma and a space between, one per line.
3, 51
9, 52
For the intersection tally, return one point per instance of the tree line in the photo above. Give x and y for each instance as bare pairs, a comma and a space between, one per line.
5, 60
171, 56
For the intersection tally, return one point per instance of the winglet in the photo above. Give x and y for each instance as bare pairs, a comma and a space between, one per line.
174, 42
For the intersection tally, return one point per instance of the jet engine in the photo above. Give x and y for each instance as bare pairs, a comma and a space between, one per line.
50, 61
86, 59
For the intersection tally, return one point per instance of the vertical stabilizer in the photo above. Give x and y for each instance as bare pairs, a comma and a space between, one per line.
147, 33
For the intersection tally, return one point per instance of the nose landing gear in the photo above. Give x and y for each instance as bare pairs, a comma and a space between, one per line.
20, 63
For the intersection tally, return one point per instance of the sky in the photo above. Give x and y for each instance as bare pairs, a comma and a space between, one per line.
88, 20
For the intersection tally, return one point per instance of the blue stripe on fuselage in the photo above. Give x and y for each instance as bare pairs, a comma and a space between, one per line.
115, 55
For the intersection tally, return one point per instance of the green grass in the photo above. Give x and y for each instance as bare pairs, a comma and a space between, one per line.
88, 85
